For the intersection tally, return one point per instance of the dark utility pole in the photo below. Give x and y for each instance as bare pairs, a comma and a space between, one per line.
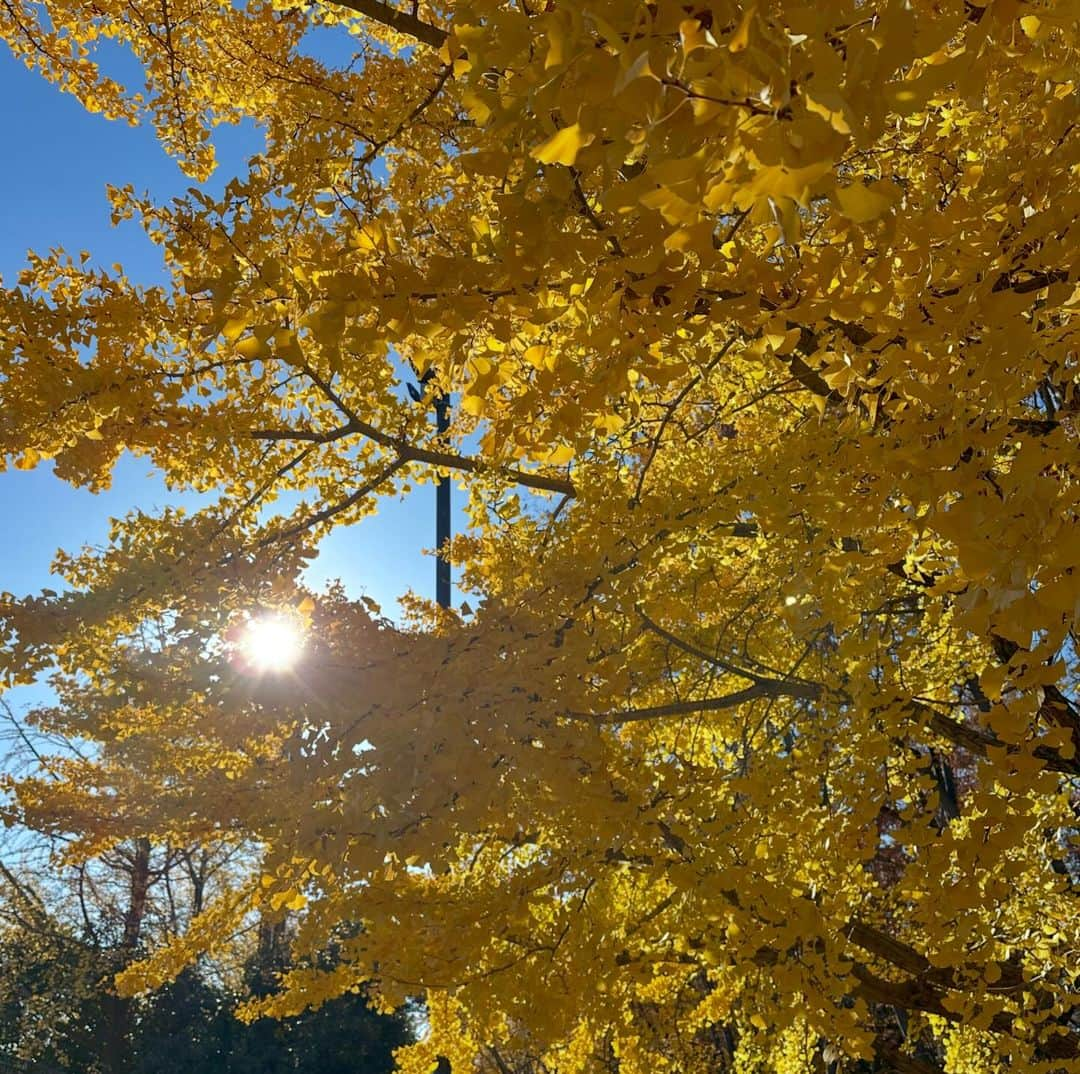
442, 512
442, 490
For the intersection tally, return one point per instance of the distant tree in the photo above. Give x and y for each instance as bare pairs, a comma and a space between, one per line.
67, 930
342, 1036
58, 1010
50, 984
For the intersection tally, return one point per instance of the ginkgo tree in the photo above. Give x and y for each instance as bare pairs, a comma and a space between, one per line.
759, 320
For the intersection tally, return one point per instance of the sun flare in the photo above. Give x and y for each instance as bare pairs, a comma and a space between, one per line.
272, 643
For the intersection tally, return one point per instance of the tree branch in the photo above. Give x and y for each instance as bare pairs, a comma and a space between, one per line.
401, 21
407, 452
334, 509
895, 1060
378, 146
473, 466
767, 688
309, 435
694, 651
976, 740
670, 413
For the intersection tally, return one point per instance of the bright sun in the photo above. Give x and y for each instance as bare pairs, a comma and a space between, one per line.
272, 643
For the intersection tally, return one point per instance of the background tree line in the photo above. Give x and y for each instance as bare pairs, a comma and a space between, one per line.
64, 935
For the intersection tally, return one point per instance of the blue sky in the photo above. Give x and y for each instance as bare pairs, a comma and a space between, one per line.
52, 193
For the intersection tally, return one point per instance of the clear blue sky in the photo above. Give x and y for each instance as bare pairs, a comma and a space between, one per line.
52, 193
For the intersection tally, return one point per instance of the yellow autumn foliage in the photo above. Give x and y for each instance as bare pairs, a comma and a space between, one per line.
760, 322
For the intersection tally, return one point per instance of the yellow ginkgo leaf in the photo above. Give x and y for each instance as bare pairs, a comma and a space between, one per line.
741, 37
559, 456
563, 146
1031, 24
250, 348
862, 203
234, 327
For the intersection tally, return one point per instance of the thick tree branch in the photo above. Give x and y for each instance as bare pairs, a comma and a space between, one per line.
401, 21
766, 688
910, 995
922, 995
886, 947
407, 452
976, 740
311, 436
927, 987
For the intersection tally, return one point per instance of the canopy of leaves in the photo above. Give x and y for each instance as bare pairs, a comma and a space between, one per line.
760, 320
